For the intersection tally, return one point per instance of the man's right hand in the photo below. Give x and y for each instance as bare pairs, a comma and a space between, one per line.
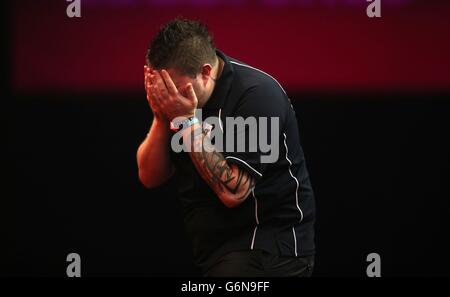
147, 84
153, 159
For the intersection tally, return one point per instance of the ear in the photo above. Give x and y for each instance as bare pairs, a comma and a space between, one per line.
206, 72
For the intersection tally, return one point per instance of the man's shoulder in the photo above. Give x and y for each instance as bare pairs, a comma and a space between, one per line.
256, 88
253, 90
249, 77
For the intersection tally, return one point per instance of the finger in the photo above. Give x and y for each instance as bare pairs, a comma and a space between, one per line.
145, 75
155, 105
155, 93
161, 86
147, 70
150, 96
190, 92
169, 83
156, 90
147, 85
152, 80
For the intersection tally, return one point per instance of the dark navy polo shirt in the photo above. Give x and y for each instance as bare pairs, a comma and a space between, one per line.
278, 216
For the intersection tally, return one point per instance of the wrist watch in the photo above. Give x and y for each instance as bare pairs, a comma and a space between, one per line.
179, 124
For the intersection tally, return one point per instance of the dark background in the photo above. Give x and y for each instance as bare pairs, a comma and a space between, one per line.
372, 97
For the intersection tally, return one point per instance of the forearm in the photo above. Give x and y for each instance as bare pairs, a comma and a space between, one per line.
153, 159
231, 184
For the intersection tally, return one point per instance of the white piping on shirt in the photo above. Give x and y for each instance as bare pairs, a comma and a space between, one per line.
296, 193
256, 171
256, 218
220, 120
296, 180
295, 240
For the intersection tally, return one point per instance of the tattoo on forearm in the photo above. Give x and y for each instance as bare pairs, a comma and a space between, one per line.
215, 170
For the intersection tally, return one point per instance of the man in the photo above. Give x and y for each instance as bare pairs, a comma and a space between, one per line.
246, 212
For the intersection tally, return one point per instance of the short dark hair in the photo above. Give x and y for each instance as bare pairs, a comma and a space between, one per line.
182, 44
